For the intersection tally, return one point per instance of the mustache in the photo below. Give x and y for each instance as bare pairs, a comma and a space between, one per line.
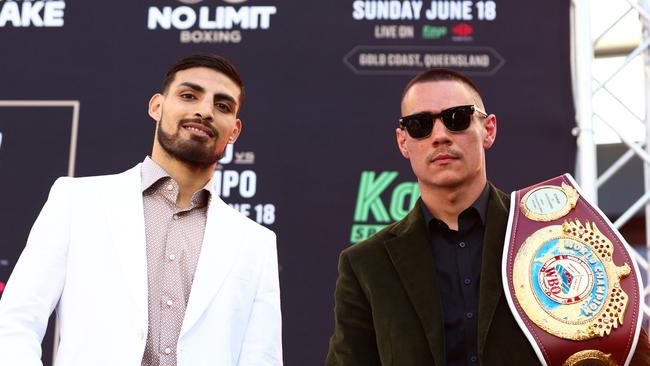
204, 122
446, 151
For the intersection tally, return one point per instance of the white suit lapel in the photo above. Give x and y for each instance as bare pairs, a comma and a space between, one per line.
218, 254
126, 220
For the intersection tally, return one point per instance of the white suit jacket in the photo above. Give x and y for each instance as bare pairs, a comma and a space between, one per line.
86, 257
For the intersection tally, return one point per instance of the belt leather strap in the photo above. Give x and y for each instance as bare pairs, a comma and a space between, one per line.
569, 277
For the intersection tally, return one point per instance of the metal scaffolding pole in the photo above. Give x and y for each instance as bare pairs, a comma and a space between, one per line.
583, 55
646, 166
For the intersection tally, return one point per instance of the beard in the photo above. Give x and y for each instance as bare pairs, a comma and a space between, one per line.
198, 153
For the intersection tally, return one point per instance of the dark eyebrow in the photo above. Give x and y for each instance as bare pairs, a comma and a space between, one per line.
223, 96
217, 96
196, 87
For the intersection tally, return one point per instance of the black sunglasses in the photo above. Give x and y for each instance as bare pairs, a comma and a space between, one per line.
420, 125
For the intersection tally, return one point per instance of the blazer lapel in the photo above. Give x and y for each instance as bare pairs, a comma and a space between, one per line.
221, 244
126, 223
491, 288
412, 257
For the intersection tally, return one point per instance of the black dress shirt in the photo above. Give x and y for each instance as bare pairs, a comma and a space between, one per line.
457, 258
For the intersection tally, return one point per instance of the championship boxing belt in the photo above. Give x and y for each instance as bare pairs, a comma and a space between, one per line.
569, 278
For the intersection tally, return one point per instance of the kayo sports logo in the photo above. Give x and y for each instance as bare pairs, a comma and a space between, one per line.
371, 213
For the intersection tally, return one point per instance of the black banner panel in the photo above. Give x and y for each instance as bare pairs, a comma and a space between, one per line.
317, 161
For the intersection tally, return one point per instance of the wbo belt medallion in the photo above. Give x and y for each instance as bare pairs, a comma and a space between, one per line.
572, 287
569, 279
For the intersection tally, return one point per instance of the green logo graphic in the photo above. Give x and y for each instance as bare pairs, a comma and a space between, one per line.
433, 32
371, 212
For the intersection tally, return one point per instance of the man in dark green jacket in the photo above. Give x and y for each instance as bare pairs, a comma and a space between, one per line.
390, 308
427, 290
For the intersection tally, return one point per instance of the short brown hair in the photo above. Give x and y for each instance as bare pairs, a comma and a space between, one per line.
442, 74
214, 62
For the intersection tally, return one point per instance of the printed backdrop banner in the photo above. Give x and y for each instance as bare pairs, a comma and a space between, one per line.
317, 161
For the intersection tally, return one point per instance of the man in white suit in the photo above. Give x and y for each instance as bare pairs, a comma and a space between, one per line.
150, 267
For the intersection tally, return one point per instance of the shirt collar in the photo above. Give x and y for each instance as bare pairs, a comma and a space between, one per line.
480, 205
151, 173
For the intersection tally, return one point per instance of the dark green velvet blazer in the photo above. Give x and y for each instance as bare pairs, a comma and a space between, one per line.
387, 307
